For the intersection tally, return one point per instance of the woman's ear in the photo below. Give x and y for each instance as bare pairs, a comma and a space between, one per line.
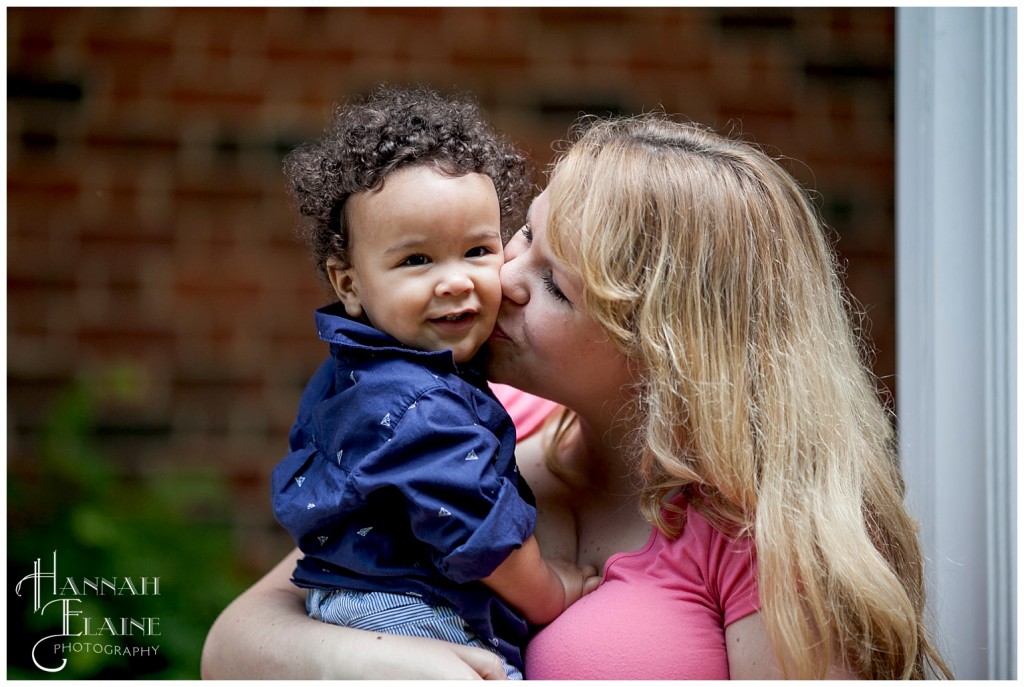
346, 286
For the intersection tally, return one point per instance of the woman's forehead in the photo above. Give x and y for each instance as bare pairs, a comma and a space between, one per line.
538, 208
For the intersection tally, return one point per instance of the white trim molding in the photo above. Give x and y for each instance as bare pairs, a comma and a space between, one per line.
956, 320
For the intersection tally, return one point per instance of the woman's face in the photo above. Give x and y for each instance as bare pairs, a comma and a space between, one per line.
545, 342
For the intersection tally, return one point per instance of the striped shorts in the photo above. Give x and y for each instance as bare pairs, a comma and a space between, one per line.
397, 614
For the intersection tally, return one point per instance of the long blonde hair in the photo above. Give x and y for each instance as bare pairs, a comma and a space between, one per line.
705, 263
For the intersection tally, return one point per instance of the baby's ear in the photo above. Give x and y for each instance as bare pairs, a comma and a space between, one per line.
346, 287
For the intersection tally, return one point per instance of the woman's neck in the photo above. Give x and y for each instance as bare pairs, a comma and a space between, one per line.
605, 500
602, 453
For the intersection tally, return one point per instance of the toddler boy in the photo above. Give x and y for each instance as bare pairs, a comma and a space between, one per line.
401, 487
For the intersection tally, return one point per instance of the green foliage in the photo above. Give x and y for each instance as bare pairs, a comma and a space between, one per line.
103, 524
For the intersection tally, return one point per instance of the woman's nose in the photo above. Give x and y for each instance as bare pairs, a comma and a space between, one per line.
513, 285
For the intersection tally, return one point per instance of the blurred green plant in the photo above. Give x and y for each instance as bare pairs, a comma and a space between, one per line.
104, 524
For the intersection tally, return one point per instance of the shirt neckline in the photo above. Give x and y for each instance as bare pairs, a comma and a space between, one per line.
616, 557
676, 497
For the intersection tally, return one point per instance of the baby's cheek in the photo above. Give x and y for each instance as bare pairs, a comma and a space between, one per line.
490, 291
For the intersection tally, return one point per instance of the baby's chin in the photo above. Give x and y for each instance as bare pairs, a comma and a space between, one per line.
463, 356
467, 350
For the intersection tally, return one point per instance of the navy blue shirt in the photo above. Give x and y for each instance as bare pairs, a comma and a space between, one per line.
402, 478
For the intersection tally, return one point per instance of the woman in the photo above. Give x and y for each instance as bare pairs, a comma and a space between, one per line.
727, 463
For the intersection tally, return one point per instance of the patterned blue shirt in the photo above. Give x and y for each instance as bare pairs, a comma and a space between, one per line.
402, 478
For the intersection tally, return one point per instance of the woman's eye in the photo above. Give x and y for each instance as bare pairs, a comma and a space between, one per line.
415, 260
478, 252
527, 233
551, 287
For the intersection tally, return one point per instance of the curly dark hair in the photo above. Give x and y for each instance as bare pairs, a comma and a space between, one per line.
394, 127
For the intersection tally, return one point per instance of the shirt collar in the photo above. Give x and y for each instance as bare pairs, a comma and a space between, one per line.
335, 327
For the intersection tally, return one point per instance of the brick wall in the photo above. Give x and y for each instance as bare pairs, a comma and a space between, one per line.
149, 244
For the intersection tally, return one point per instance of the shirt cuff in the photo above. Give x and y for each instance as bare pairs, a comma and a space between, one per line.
506, 527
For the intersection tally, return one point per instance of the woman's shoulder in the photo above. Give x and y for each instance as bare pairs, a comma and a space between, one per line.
727, 560
533, 466
702, 525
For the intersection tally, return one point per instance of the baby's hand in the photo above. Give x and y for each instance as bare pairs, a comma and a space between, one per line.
577, 581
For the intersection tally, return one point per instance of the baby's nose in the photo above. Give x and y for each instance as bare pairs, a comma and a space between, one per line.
454, 283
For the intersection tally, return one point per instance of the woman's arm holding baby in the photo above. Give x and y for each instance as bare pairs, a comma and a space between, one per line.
266, 634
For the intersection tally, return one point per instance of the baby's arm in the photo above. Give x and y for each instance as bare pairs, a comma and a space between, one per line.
541, 590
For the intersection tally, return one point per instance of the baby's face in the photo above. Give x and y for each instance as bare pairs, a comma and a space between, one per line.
425, 254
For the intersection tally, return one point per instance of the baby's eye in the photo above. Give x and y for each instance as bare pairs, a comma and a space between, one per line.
527, 233
416, 260
478, 252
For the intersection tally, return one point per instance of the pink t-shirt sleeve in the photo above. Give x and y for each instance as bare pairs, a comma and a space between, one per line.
732, 568
528, 412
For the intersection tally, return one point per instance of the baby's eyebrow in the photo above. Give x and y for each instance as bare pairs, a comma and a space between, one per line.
405, 246
418, 242
484, 235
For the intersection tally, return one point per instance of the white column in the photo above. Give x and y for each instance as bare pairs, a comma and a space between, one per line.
956, 320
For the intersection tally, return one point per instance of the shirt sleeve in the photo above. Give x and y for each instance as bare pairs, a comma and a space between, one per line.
457, 500
319, 387
733, 565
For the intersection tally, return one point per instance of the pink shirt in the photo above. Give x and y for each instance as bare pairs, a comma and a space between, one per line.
659, 614
527, 412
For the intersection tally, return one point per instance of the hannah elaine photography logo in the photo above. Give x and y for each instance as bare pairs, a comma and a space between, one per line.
63, 598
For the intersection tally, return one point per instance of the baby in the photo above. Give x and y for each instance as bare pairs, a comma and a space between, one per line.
401, 487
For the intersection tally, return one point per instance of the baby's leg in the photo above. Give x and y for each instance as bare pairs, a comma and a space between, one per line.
399, 614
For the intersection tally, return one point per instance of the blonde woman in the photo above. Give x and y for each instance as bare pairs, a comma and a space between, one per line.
725, 460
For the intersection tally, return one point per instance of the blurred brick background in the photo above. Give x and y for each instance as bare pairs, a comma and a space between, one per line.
149, 231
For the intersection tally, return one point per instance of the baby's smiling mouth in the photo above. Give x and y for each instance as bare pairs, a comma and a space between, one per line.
454, 317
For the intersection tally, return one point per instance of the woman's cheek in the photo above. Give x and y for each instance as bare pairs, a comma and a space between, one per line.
548, 333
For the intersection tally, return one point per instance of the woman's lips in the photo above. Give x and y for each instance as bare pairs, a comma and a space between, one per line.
497, 335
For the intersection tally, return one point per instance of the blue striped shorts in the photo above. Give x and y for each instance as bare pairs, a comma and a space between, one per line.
397, 614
